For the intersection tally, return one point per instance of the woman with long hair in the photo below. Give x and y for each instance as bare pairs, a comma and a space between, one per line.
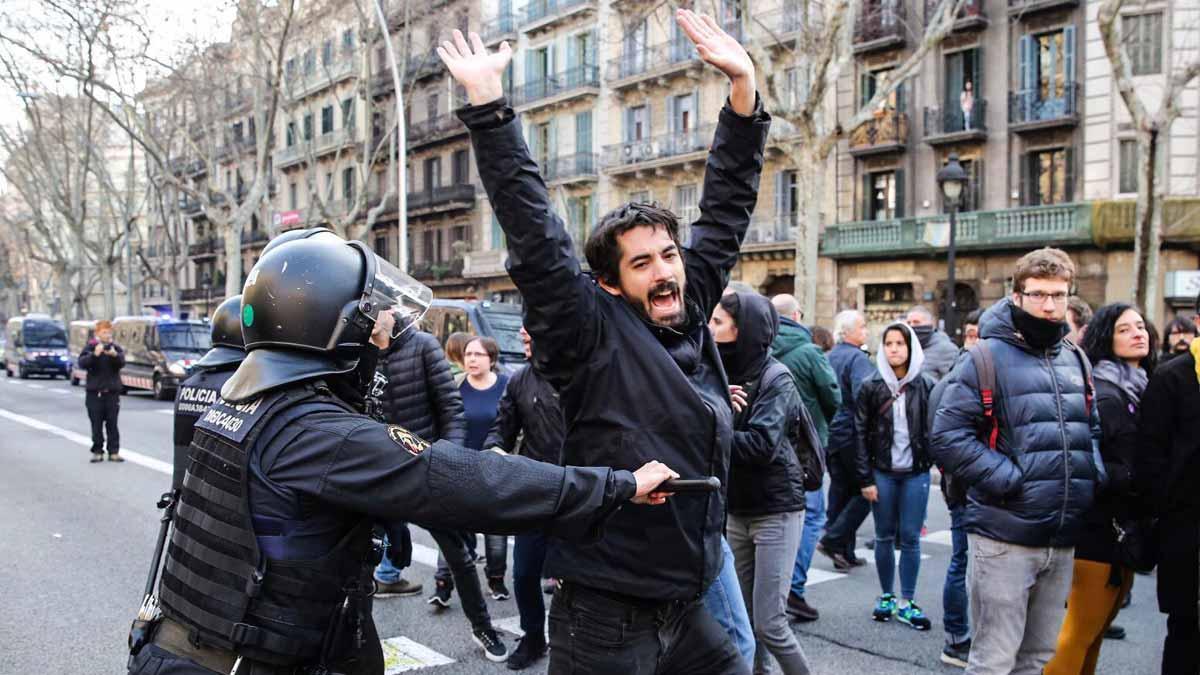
1123, 355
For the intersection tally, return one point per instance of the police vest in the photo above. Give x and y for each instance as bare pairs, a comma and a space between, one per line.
193, 398
217, 582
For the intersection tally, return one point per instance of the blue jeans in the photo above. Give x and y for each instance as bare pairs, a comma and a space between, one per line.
724, 601
814, 521
900, 510
955, 614
397, 555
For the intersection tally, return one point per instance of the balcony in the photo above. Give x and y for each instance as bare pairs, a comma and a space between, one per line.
888, 132
1009, 229
322, 76
436, 128
780, 26
503, 27
951, 125
560, 88
971, 16
880, 26
205, 247
1024, 8
578, 168
237, 103
1113, 221
674, 57
441, 200
1029, 111
316, 148
439, 271
659, 151
770, 232
191, 206
540, 14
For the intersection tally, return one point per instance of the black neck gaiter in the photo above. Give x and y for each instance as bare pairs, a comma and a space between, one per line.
1038, 333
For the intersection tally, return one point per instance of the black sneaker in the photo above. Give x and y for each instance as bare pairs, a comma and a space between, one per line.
1114, 632
526, 654
799, 611
493, 647
400, 588
839, 560
957, 655
441, 595
498, 589
854, 560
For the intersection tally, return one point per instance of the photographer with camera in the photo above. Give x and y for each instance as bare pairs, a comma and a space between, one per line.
103, 360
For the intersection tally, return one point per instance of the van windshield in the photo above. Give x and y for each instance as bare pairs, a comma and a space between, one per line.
44, 335
506, 328
184, 337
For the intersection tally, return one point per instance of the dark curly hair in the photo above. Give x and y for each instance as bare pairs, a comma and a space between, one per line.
1097, 341
603, 251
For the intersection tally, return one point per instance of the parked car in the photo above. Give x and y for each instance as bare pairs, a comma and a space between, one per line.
159, 352
37, 345
78, 335
497, 320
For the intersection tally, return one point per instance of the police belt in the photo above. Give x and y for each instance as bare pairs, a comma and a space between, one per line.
176, 638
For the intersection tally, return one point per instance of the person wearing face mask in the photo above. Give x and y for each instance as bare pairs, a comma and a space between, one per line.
1124, 356
270, 556
766, 482
1032, 478
940, 350
892, 462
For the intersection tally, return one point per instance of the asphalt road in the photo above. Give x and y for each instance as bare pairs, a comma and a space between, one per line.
76, 540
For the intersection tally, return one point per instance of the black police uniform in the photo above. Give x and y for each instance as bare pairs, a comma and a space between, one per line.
268, 568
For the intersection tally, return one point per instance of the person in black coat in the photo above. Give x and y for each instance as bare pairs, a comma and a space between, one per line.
1123, 355
629, 351
766, 482
1167, 471
103, 360
892, 465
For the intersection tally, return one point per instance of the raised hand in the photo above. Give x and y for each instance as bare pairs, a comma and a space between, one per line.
479, 72
725, 53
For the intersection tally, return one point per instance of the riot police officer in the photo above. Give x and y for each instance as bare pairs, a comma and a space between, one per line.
268, 567
201, 390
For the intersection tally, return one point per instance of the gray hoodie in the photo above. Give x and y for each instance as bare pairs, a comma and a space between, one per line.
902, 459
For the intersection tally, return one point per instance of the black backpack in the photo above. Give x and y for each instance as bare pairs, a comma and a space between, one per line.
802, 431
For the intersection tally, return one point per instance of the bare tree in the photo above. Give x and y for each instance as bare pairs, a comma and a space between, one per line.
1152, 123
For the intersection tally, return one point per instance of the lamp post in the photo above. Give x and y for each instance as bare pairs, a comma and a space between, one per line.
951, 179
206, 284
401, 141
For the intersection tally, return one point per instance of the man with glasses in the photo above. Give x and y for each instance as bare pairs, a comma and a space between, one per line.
1028, 455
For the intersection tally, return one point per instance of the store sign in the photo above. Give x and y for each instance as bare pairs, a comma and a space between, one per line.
287, 218
1182, 284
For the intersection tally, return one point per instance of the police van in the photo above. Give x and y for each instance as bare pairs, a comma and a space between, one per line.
497, 320
37, 345
159, 351
79, 333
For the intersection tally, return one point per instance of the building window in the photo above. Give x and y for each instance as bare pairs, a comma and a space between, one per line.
292, 196
686, 207
682, 114
541, 144
1131, 157
327, 53
290, 68
1047, 75
1048, 177
579, 217
308, 126
637, 123
963, 74
641, 196
348, 40
310, 62
498, 242
876, 80
381, 246
1143, 36
432, 106
326, 120
291, 134
461, 167
787, 199
348, 113
433, 173
328, 184
883, 195
348, 184
633, 49
237, 132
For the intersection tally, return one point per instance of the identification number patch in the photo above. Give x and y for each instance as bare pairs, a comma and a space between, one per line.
406, 439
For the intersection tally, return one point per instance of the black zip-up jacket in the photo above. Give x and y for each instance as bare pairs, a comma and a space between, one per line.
104, 371
421, 395
875, 430
529, 406
1119, 446
631, 391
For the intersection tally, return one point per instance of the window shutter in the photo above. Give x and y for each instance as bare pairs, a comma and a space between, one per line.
977, 70
573, 58
696, 108
781, 195
1069, 68
590, 57
1069, 186
867, 198
583, 132
1024, 179
628, 124
552, 151
1025, 65
864, 89
899, 188
901, 102
672, 111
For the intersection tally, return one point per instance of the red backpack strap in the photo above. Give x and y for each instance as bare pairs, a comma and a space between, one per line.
985, 371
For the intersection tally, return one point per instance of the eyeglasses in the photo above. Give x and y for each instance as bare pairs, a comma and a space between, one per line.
1041, 297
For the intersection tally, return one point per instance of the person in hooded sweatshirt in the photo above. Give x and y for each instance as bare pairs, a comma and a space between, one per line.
892, 462
940, 350
766, 482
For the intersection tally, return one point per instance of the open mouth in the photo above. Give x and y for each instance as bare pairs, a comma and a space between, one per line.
666, 300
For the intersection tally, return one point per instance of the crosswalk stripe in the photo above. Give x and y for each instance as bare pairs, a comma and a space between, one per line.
402, 655
130, 455
942, 537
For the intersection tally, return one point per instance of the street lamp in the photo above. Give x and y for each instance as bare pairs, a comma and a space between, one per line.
206, 284
401, 140
951, 179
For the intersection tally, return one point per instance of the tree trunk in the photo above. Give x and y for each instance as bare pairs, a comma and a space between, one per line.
66, 293
810, 180
233, 259
1147, 226
108, 286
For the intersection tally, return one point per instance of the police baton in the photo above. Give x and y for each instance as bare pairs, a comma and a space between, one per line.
689, 485
148, 614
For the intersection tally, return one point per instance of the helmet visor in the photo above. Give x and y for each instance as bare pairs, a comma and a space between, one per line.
389, 289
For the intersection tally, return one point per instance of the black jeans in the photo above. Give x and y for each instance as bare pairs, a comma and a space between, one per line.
595, 632
462, 573
529, 555
496, 550
1181, 650
400, 548
846, 509
102, 409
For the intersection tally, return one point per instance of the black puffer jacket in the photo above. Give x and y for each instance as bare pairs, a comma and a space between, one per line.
420, 394
764, 475
1036, 486
531, 411
104, 371
875, 414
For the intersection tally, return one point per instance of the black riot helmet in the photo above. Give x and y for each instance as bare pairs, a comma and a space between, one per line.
293, 235
308, 308
227, 345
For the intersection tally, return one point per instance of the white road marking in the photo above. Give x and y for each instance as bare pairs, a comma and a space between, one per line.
869, 555
942, 537
130, 455
34, 386
424, 554
820, 576
401, 655
165, 412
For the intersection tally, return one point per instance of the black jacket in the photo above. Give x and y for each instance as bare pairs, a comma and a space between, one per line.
1035, 487
421, 395
529, 406
764, 475
852, 367
192, 398
875, 427
104, 371
631, 392
1119, 446
1167, 471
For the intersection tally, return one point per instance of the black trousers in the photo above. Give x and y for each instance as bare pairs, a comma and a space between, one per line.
102, 408
594, 632
463, 575
529, 555
1181, 650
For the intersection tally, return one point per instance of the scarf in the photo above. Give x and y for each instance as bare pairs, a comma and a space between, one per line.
1038, 333
1129, 379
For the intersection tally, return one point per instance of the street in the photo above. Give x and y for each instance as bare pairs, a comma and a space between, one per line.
77, 539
